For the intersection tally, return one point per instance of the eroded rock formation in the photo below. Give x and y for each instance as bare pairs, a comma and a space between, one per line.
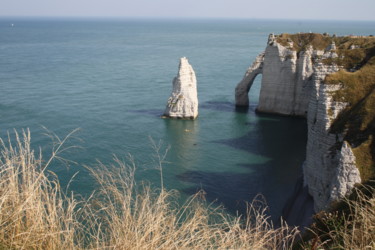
286, 80
293, 84
329, 173
183, 102
242, 89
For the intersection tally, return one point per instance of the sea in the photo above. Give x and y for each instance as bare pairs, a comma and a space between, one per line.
108, 80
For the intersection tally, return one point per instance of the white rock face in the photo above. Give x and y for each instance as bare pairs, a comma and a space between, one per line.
332, 46
243, 87
304, 83
347, 174
286, 80
294, 85
329, 173
183, 102
277, 93
330, 51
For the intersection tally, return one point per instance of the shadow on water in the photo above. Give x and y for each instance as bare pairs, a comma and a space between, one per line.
282, 140
242, 109
229, 189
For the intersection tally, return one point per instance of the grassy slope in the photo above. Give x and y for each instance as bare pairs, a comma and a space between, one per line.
357, 121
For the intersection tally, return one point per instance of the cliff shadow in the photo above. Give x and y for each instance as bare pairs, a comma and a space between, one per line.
232, 190
282, 140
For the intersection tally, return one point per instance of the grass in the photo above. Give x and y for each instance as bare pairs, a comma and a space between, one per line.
35, 213
349, 224
302, 40
121, 214
349, 59
357, 78
357, 121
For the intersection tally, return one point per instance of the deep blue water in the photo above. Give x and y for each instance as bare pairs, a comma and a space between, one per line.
112, 78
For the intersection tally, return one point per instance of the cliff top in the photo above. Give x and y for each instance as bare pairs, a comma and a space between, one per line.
353, 51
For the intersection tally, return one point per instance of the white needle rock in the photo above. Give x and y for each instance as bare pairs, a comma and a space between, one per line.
183, 102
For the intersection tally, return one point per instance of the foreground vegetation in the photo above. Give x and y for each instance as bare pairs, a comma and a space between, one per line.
350, 224
35, 213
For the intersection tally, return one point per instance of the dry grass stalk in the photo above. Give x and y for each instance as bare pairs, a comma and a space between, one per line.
350, 228
139, 218
36, 214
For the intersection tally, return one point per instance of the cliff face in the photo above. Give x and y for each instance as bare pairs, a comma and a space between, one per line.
293, 83
330, 174
286, 80
183, 102
243, 87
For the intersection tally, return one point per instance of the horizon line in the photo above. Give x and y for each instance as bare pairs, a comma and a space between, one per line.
181, 18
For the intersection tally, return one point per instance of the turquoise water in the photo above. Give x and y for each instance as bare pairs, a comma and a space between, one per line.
112, 78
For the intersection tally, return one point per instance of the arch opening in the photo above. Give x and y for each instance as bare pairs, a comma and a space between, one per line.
243, 88
254, 91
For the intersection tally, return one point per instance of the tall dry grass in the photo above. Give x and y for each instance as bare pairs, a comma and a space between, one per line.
140, 218
121, 214
350, 226
34, 213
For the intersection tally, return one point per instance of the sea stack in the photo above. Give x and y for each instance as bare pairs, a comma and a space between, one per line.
183, 102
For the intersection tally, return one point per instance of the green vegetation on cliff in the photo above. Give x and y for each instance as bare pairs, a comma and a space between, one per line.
356, 56
353, 52
302, 40
357, 121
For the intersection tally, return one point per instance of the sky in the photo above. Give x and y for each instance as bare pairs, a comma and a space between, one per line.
259, 9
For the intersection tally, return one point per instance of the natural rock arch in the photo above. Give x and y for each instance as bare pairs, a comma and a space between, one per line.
286, 80
243, 87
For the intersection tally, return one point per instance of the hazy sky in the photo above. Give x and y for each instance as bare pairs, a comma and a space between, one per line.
285, 9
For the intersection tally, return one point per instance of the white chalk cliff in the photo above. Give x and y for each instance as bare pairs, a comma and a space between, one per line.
293, 84
329, 172
242, 89
286, 80
183, 102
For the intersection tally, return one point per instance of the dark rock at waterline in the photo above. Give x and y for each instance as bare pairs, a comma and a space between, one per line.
299, 209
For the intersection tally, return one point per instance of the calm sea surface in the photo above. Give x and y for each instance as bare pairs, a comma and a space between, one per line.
112, 78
